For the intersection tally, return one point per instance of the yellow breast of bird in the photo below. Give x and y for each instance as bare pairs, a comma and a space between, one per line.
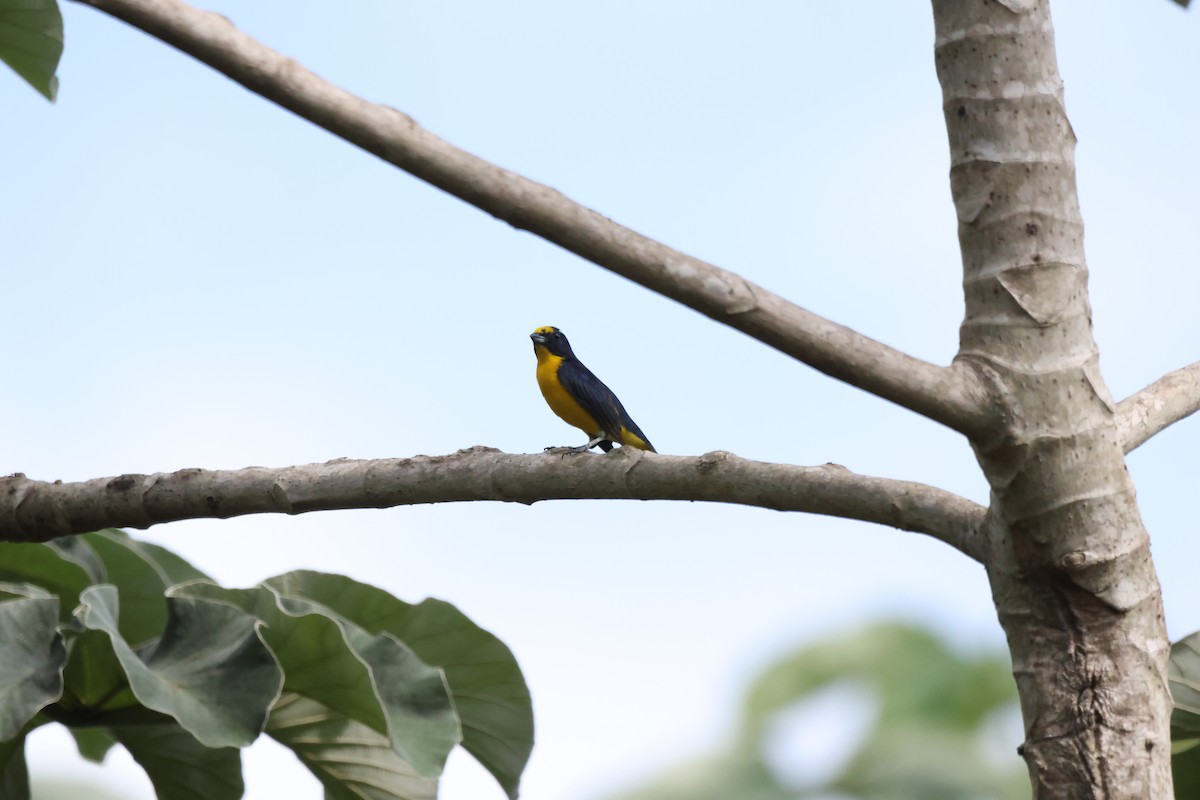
560, 402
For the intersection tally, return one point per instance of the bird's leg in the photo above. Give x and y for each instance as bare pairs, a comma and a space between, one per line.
583, 448
599, 440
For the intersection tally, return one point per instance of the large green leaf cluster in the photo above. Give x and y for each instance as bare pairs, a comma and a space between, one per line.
126, 643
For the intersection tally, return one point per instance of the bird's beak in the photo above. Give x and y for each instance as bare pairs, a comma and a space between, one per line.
537, 338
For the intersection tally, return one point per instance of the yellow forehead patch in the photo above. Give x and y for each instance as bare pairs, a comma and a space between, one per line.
546, 330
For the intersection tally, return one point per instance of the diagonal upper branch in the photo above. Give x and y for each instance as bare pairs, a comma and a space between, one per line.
950, 395
1169, 399
40, 510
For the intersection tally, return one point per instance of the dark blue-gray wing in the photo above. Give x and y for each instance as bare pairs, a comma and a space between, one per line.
593, 397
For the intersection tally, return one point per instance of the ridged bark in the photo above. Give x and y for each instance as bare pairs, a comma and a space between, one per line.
1069, 559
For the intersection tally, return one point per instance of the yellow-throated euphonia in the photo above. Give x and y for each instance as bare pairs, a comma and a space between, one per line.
578, 396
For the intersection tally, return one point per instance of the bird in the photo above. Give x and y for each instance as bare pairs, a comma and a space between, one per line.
579, 398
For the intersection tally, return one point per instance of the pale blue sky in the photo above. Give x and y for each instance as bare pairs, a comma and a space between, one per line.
197, 278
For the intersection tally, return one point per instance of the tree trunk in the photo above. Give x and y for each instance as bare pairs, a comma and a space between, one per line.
1068, 556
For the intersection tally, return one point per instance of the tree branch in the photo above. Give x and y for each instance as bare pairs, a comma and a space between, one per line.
951, 395
1169, 399
38, 510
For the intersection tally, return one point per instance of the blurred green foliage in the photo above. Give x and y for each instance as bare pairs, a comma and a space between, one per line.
936, 714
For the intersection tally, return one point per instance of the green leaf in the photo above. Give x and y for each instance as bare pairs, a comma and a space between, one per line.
95, 682
421, 722
93, 743
209, 670
486, 683
310, 648
1183, 676
33, 655
352, 761
49, 567
1185, 770
179, 766
371, 679
1183, 745
144, 572
142, 583
31, 41
174, 567
75, 550
14, 772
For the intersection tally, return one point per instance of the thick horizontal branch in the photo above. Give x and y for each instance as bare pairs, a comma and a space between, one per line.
37, 510
1169, 399
950, 395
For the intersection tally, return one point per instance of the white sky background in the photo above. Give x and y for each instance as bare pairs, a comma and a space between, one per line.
195, 278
